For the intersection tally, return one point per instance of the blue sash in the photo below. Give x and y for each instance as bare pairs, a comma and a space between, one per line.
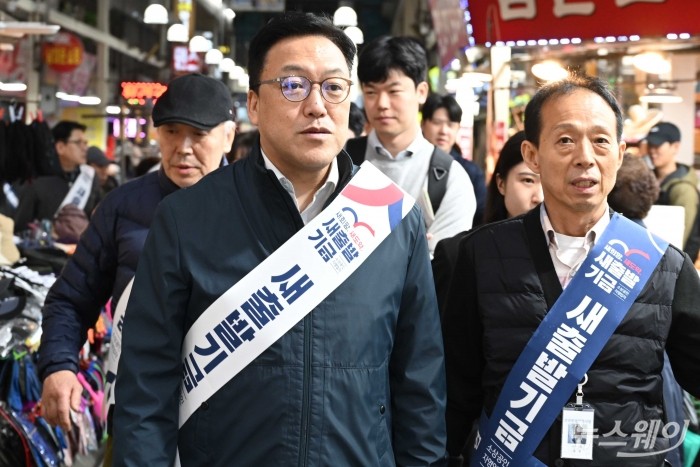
566, 343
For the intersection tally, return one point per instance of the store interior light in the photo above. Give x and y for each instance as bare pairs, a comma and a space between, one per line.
200, 44
355, 34
660, 95
177, 33
213, 57
155, 14
20, 28
89, 100
13, 87
652, 63
229, 14
549, 70
226, 65
345, 16
113, 109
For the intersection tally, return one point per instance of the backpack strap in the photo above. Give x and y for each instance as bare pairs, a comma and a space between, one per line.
438, 172
356, 148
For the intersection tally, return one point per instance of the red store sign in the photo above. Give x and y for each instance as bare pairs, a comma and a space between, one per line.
63, 52
512, 20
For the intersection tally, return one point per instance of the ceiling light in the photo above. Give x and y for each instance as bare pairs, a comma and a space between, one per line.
177, 33
549, 71
155, 14
229, 14
89, 100
226, 65
200, 44
652, 63
113, 109
660, 95
213, 57
20, 28
345, 16
355, 34
13, 87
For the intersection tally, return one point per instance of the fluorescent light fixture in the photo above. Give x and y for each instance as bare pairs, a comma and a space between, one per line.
549, 71
67, 97
229, 14
177, 33
20, 28
13, 87
155, 14
113, 109
660, 95
89, 100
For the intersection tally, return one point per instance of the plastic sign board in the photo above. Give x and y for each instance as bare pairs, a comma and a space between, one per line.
513, 20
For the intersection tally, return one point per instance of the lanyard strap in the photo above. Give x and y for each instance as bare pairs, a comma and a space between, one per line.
568, 341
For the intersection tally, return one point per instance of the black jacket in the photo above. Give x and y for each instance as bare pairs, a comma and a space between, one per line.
103, 264
504, 284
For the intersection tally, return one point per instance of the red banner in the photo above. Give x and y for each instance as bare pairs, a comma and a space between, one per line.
512, 20
450, 28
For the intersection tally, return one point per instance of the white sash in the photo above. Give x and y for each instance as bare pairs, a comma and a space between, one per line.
287, 285
80, 190
115, 345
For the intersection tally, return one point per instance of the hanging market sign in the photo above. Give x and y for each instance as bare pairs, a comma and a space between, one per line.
450, 28
62, 52
513, 20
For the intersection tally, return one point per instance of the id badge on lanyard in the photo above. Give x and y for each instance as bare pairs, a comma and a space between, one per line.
577, 428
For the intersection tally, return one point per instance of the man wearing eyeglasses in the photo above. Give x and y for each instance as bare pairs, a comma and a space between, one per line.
357, 377
43, 197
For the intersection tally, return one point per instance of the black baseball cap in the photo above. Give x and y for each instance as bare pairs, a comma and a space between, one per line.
663, 132
195, 100
95, 156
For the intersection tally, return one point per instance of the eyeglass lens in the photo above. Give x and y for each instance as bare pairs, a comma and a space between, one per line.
297, 88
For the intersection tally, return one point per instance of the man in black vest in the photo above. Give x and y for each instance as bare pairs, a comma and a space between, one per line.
509, 275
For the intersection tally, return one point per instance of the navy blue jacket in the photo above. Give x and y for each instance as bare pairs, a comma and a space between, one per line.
103, 264
359, 381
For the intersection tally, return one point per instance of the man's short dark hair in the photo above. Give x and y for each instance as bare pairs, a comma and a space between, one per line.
384, 54
63, 129
533, 110
294, 24
447, 102
636, 189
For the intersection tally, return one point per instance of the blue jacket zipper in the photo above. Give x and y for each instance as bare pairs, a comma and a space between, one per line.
306, 403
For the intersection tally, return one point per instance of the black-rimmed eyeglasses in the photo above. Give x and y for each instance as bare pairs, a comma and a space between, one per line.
298, 88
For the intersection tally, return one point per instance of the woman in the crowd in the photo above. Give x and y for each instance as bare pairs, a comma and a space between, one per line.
514, 189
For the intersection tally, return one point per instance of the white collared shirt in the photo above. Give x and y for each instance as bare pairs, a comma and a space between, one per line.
568, 253
320, 197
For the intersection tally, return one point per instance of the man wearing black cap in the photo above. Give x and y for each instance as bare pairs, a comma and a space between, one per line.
195, 131
104, 169
678, 181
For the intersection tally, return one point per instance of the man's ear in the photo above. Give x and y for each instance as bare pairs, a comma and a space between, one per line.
422, 90
530, 156
252, 104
